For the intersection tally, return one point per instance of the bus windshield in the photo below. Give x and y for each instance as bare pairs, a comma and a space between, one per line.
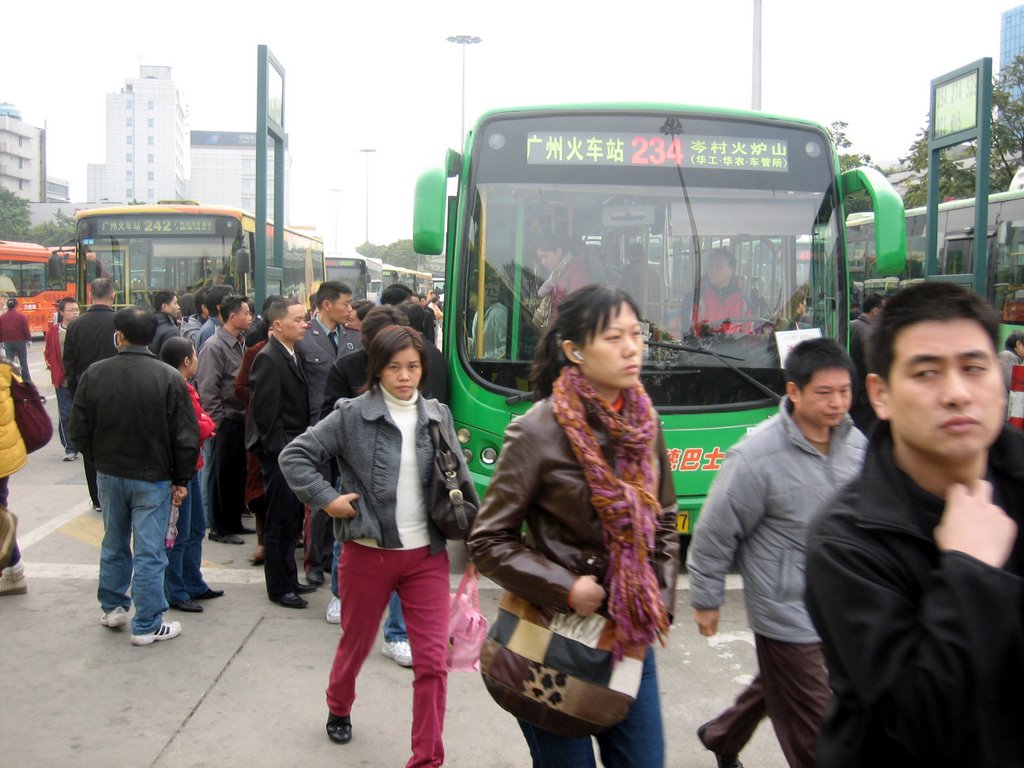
724, 231
144, 249
186, 254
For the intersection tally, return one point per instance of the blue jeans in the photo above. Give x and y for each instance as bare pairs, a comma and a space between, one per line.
394, 625
135, 516
64, 400
636, 742
183, 578
204, 477
19, 348
334, 567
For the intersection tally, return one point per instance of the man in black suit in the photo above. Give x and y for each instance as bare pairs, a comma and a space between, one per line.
279, 412
318, 350
90, 339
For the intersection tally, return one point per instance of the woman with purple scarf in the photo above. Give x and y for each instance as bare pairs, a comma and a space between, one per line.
585, 473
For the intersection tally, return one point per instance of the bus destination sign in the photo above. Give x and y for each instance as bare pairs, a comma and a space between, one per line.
646, 150
156, 225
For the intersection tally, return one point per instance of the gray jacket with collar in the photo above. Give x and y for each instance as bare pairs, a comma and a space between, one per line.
771, 485
361, 434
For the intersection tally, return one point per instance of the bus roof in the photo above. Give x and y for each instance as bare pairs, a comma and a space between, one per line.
13, 248
855, 219
649, 107
183, 207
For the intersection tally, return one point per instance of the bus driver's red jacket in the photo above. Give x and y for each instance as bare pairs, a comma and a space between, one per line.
719, 305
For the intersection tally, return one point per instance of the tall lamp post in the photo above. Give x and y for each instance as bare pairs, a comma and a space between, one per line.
336, 190
367, 152
463, 40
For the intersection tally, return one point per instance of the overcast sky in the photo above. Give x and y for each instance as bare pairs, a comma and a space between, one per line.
382, 75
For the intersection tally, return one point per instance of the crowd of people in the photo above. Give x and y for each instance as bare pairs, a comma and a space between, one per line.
873, 519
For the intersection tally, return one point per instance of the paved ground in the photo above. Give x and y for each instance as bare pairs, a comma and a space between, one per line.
244, 684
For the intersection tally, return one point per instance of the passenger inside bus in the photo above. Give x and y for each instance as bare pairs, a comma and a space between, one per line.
792, 317
722, 305
566, 272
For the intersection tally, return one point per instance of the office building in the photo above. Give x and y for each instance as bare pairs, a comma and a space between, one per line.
1011, 36
224, 170
147, 142
22, 156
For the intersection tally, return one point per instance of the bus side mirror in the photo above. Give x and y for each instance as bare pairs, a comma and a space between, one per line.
55, 267
242, 260
890, 218
429, 213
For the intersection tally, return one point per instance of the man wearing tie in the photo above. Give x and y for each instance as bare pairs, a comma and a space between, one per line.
279, 412
318, 351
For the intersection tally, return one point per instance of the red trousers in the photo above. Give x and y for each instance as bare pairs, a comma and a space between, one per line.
792, 689
366, 578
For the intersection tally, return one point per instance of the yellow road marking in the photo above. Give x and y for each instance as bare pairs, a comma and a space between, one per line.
88, 528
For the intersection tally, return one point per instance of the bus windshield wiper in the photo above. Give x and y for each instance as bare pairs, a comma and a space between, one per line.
724, 359
522, 397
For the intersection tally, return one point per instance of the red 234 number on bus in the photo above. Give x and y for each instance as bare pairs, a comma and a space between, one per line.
655, 150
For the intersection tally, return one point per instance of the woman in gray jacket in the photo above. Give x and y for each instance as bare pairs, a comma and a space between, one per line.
381, 443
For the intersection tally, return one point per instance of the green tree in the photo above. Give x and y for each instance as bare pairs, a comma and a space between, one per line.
14, 218
1007, 152
956, 176
399, 254
57, 231
956, 167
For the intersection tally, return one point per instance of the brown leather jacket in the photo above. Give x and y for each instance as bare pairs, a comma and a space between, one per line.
538, 481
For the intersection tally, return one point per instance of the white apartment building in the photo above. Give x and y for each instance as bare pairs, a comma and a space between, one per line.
224, 170
22, 156
147, 142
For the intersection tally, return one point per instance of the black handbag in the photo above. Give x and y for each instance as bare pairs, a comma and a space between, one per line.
453, 498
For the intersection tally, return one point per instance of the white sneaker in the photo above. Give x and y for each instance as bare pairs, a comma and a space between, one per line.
166, 631
399, 652
334, 611
115, 618
12, 580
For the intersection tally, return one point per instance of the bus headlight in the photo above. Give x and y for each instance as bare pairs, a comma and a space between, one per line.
467, 455
488, 456
463, 435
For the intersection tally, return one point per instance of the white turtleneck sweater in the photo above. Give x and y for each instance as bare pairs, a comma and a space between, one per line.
410, 511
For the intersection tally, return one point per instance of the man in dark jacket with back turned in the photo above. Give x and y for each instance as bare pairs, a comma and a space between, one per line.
90, 339
133, 417
914, 572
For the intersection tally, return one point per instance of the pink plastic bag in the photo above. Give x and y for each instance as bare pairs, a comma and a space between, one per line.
467, 627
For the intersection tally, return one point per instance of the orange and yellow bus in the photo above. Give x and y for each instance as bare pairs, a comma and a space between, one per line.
38, 277
183, 246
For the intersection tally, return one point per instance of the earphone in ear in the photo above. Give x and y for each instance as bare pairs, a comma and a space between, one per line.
577, 355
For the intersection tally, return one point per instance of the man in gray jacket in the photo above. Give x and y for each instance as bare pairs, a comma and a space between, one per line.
757, 515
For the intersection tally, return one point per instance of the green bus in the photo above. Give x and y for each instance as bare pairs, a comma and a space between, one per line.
644, 193
1002, 262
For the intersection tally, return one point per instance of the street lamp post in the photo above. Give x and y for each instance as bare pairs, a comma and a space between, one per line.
336, 190
463, 40
367, 152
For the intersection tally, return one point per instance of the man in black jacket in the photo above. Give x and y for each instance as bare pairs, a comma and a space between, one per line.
915, 573
90, 339
278, 413
168, 315
133, 417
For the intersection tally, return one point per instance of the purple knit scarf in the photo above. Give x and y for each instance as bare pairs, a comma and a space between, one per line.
622, 497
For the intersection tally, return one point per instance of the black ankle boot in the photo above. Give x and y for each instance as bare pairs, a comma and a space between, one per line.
339, 728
